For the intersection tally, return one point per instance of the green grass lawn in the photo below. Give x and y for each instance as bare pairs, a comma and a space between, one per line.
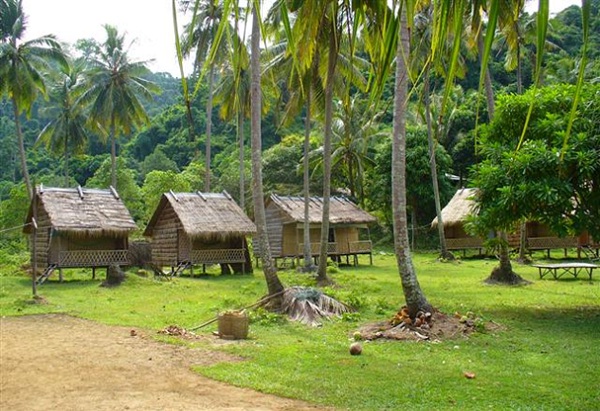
546, 355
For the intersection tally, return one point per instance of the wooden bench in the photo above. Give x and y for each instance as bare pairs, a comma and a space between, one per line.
558, 270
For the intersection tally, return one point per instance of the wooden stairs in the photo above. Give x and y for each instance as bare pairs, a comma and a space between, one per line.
47, 273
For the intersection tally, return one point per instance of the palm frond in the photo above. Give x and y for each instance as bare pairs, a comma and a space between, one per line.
310, 306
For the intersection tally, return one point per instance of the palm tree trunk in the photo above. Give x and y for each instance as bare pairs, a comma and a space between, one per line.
208, 129
523, 241
274, 285
487, 82
67, 159
242, 165
415, 299
432, 163
322, 271
113, 156
308, 264
22, 153
352, 180
504, 272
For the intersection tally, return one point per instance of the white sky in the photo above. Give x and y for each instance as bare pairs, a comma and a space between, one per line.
148, 22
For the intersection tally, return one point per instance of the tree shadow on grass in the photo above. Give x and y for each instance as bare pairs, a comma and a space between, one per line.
562, 323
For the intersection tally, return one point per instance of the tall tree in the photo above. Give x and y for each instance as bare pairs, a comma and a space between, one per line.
23, 67
113, 87
413, 294
203, 36
274, 285
66, 133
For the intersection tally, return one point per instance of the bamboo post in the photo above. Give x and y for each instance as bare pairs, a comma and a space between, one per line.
34, 246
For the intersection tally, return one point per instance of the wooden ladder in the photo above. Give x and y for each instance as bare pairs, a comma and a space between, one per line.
590, 254
47, 272
180, 267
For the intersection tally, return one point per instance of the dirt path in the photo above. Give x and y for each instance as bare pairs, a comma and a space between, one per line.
57, 362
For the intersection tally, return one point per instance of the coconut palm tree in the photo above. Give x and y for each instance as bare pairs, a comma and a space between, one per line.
113, 88
202, 34
233, 96
354, 128
300, 90
66, 133
325, 24
23, 68
413, 294
274, 285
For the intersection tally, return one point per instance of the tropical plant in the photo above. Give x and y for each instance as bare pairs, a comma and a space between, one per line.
413, 294
66, 133
354, 130
113, 88
233, 95
203, 34
535, 183
23, 68
274, 285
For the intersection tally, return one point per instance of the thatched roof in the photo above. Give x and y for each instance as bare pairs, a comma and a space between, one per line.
83, 212
458, 208
205, 215
341, 210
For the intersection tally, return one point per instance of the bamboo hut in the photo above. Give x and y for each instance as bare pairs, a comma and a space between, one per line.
189, 229
454, 215
78, 227
541, 237
349, 234
538, 235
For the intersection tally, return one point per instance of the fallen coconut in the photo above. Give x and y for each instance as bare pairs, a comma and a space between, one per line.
355, 349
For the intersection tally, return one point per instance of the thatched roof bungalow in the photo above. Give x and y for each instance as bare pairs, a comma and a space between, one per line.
78, 227
538, 235
348, 227
454, 214
190, 229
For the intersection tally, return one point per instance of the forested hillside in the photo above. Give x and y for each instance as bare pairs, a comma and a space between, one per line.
167, 150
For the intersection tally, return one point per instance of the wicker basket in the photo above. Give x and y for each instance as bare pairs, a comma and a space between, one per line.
233, 325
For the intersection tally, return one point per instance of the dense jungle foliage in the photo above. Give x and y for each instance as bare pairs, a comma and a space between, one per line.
161, 155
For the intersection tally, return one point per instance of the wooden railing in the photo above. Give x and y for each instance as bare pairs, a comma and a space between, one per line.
233, 255
464, 243
315, 248
92, 258
360, 247
548, 243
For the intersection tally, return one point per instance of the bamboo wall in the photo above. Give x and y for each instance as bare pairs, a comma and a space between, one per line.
291, 239
165, 238
343, 237
274, 230
42, 239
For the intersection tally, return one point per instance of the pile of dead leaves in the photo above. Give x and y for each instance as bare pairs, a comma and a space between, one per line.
177, 331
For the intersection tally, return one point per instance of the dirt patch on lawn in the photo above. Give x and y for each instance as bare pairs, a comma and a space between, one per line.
438, 326
58, 362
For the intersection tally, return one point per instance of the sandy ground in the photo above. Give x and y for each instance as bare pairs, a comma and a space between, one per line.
57, 362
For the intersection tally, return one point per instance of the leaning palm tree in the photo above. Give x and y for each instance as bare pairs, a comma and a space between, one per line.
66, 133
113, 87
23, 67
